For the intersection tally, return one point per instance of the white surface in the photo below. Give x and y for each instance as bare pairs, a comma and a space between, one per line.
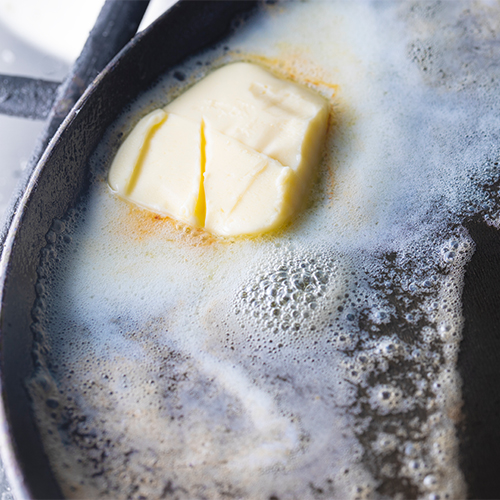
46, 24
19, 135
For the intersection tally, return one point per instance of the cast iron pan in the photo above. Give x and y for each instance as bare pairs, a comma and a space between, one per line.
61, 177
58, 180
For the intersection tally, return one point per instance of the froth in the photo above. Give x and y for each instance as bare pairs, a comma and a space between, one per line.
318, 362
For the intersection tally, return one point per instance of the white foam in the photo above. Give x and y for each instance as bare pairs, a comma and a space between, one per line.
318, 362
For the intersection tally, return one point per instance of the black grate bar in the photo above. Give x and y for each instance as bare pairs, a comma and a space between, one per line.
26, 97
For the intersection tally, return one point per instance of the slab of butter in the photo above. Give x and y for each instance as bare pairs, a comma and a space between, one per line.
234, 154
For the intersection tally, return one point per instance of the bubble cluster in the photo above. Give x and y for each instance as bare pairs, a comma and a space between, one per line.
292, 294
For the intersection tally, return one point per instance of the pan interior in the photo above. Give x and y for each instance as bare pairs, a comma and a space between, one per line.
316, 362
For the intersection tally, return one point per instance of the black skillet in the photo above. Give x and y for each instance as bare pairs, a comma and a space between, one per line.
57, 181
61, 177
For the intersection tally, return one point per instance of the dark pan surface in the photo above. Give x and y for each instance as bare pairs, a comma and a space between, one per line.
478, 364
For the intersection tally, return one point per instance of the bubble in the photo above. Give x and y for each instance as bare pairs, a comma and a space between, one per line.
296, 289
430, 481
58, 226
51, 237
52, 403
386, 399
386, 443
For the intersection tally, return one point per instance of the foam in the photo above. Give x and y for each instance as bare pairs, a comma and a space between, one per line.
317, 362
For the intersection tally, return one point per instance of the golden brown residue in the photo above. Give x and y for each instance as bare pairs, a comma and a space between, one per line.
340, 120
141, 224
294, 65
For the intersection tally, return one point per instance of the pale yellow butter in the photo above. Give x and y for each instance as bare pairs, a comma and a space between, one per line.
245, 191
234, 153
158, 167
273, 116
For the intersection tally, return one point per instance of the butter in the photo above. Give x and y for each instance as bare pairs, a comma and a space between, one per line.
246, 192
234, 154
158, 167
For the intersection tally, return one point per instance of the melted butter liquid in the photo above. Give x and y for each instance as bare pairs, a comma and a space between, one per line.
316, 362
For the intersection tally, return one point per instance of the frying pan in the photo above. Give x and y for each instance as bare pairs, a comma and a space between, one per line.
58, 180
61, 177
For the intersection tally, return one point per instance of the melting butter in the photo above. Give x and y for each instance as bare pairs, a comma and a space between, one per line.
234, 154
